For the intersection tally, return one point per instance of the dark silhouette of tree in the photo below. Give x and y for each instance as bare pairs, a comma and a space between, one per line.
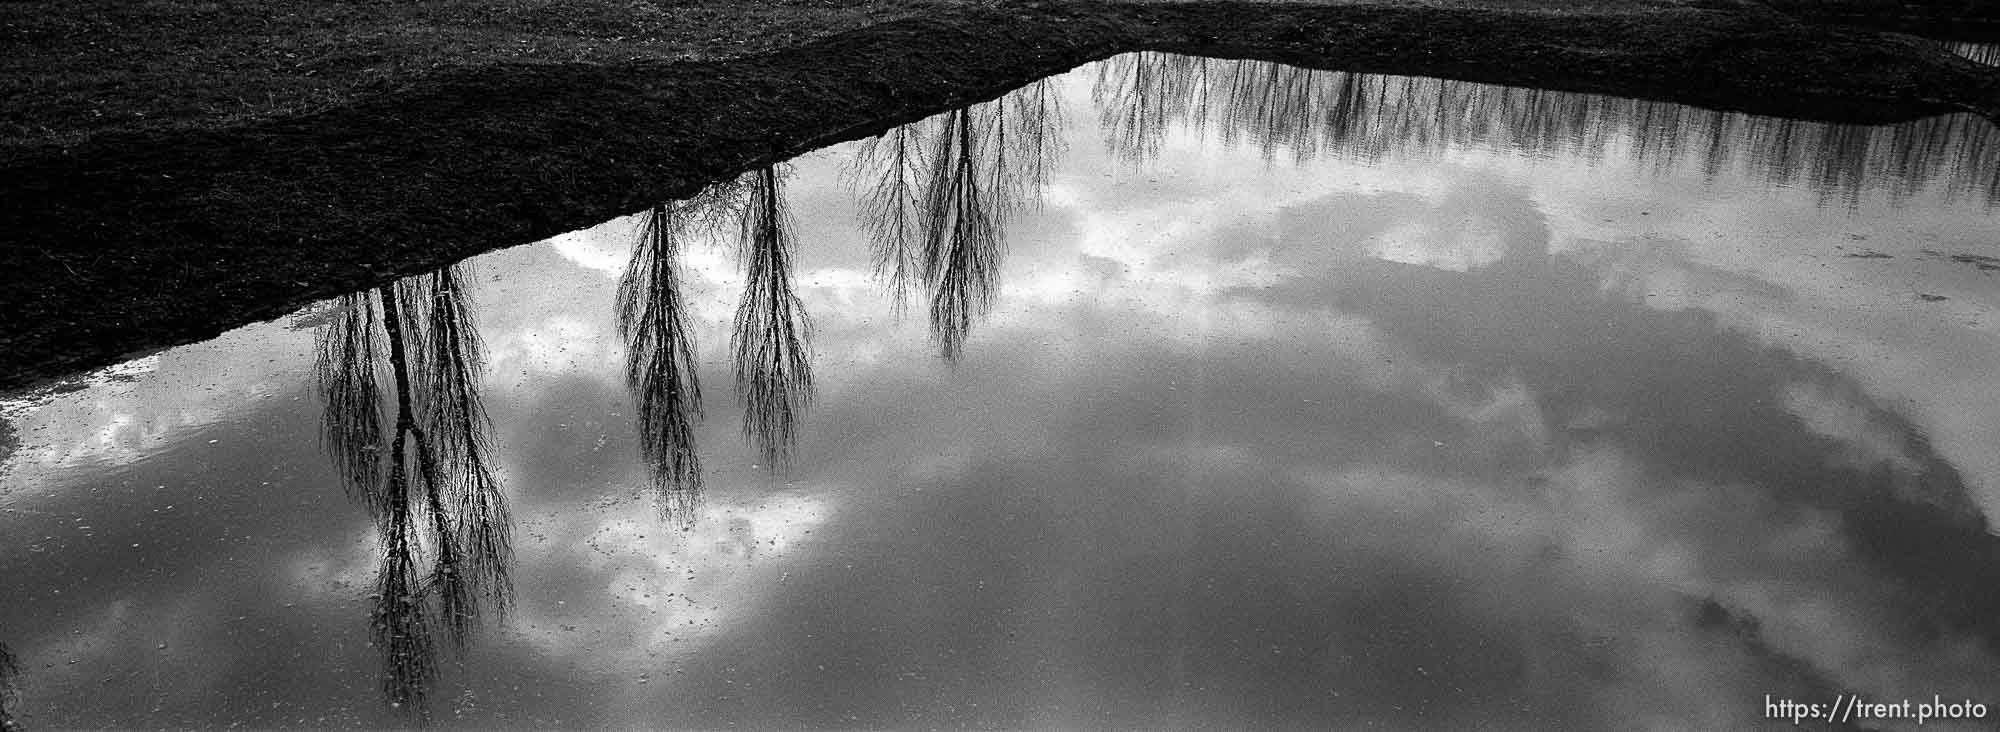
772, 335
660, 365
10, 669
430, 489
941, 192
961, 244
890, 205
1141, 94
1028, 141
987, 162
349, 351
461, 491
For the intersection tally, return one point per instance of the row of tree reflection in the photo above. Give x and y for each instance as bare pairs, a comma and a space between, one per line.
1308, 113
399, 366
769, 344
937, 195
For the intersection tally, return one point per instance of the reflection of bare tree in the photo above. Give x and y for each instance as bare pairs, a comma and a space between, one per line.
961, 244
1027, 141
890, 205
1308, 113
1141, 100
9, 670
770, 342
348, 354
943, 190
430, 489
660, 363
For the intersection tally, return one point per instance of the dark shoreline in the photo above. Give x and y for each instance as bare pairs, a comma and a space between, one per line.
132, 242
1949, 20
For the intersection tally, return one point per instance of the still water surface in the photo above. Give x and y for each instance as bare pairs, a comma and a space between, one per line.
1166, 392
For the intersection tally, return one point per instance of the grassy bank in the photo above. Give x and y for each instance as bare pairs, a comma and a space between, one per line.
76, 69
432, 132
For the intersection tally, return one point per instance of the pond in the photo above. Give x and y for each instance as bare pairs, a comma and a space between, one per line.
1166, 392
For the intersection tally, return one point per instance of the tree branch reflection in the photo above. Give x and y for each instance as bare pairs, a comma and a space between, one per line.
352, 417
890, 207
771, 339
437, 497
660, 365
942, 191
961, 243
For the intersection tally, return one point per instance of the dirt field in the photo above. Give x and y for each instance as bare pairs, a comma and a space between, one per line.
173, 168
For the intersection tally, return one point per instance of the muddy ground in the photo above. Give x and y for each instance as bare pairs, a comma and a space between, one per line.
133, 234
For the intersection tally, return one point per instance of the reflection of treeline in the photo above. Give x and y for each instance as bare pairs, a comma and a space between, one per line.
936, 200
937, 194
770, 342
1307, 113
413, 451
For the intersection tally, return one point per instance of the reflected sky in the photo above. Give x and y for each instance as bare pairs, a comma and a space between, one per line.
1221, 394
